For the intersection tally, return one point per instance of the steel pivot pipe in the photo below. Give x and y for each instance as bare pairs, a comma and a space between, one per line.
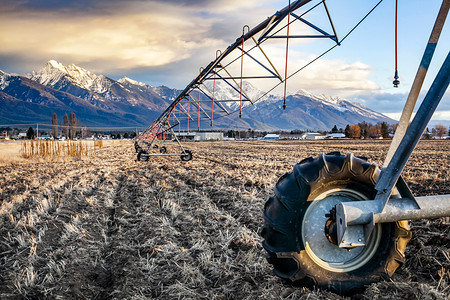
356, 219
362, 212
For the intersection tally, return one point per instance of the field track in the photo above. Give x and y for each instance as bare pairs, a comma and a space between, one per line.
110, 227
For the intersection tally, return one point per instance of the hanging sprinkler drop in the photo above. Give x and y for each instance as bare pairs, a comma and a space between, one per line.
396, 82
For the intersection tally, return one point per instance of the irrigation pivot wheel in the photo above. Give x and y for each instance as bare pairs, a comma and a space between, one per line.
142, 155
136, 147
186, 156
298, 229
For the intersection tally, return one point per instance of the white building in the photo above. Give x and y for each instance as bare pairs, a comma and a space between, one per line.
185, 135
313, 136
272, 137
335, 135
200, 136
209, 136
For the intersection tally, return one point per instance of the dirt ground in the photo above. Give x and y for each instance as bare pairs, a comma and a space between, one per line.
110, 227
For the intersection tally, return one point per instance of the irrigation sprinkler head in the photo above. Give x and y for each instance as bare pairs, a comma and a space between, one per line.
396, 82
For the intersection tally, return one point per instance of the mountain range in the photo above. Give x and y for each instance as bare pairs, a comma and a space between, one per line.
100, 101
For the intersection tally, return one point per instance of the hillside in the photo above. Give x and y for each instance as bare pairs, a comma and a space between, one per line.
98, 100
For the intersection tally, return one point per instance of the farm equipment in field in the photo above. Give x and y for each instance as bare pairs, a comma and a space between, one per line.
154, 142
199, 103
336, 221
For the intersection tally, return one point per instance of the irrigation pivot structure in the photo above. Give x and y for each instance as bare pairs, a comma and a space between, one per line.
244, 61
336, 221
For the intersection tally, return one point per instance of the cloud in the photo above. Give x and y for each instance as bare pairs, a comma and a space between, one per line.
101, 6
123, 40
109, 35
391, 104
322, 76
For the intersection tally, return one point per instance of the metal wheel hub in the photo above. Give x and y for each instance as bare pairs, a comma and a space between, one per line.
319, 244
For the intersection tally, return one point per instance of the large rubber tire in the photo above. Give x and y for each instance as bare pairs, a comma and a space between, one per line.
304, 196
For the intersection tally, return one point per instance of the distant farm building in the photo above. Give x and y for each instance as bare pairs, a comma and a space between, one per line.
313, 136
272, 137
200, 136
185, 136
209, 136
335, 136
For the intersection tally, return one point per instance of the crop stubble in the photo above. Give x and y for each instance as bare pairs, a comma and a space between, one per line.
111, 227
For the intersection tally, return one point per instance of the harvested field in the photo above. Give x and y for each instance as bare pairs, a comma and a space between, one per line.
110, 227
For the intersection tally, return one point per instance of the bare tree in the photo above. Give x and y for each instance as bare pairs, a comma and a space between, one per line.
54, 126
72, 125
440, 130
66, 125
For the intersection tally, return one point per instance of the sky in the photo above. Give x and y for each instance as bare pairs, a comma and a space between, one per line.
165, 42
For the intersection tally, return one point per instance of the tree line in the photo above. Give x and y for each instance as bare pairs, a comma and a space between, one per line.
356, 131
384, 130
369, 130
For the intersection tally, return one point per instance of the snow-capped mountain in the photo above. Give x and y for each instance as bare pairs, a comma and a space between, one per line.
23, 100
74, 89
97, 99
126, 94
4, 80
128, 81
56, 75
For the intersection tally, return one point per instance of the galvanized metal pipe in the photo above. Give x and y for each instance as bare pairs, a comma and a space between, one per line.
364, 212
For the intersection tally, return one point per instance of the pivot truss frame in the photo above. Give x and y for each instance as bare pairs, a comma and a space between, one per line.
200, 102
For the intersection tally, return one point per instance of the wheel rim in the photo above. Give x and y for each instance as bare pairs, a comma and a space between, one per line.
317, 246
187, 156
